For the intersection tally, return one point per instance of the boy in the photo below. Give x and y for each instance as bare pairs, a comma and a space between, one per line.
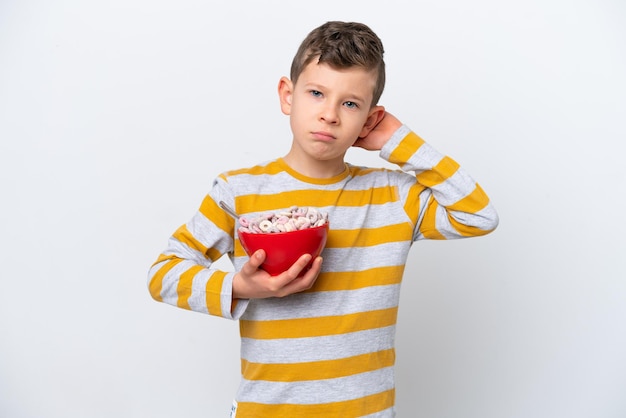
320, 342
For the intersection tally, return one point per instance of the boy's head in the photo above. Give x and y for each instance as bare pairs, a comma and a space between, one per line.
343, 45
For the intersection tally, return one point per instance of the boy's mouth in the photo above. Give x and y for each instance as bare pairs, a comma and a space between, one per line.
323, 136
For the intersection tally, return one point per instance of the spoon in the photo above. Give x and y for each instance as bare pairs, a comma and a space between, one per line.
228, 209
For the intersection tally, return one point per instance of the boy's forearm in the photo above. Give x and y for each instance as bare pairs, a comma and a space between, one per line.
186, 284
184, 274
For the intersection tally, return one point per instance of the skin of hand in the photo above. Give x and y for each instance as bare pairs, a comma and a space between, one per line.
380, 134
253, 283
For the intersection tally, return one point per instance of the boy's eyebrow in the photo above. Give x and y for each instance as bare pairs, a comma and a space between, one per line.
351, 96
356, 98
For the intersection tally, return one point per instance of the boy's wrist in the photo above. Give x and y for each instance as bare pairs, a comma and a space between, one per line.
399, 134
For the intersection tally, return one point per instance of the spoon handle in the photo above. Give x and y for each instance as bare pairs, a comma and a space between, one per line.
228, 209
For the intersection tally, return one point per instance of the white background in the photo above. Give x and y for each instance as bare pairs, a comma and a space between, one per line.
116, 116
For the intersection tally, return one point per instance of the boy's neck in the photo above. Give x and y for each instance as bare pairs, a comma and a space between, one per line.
315, 168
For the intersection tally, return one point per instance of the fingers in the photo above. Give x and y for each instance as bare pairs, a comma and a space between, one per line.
253, 282
253, 263
246, 281
299, 265
298, 282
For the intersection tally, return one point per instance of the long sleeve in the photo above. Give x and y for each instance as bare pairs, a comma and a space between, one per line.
450, 203
184, 276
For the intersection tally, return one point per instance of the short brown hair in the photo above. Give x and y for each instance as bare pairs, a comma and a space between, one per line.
343, 45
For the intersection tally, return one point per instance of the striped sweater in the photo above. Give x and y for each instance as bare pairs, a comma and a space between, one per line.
329, 351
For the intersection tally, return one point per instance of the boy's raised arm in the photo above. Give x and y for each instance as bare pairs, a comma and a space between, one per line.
445, 202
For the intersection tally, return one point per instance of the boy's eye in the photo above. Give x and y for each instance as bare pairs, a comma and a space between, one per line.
351, 105
316, 93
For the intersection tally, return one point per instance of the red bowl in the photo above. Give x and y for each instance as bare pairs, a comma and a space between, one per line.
282, 249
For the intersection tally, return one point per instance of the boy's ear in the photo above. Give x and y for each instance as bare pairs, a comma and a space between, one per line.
285, 94
375, 116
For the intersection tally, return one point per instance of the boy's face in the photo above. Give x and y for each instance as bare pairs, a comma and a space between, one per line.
329, 109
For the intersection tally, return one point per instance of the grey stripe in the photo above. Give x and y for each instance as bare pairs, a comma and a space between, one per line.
310, 305
296, 350
363, 258
317, 391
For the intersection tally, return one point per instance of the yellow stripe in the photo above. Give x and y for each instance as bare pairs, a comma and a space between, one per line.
185, 283
352, 408
163, 257
238, 249
183, 235
318, 370
270, 202
351, 280
156, 283
413, 201
406, 148
214, 293
442, 171
213, 254
473, 202
216, 214
367, 237
320, 326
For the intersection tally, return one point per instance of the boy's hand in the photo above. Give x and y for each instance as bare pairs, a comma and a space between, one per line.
380, 133
253, 283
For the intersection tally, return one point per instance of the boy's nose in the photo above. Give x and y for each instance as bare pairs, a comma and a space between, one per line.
329, 115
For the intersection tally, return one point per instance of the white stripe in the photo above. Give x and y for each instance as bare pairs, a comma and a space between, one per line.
369, 216
454, 188
202, 227
443, 225
483, 219
315, 304
197, 300
181, 250
264, 184
317, 391
297, 350
424, 159
363, 258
